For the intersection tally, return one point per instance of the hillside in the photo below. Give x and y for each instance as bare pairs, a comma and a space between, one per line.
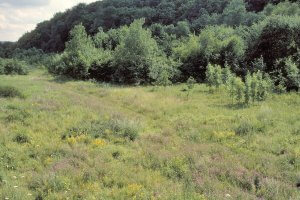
51, 35
84, 140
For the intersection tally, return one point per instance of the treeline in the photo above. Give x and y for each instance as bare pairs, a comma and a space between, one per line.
50, 36
232, 34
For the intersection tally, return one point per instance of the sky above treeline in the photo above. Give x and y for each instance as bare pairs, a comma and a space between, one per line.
20, 16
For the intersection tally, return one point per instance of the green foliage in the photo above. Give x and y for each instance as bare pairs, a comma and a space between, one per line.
286, 8
163, 78
235, 14
111, 129
214, 75
137, 55
13, 67
226, 74
191, 83
273, 39
258, 87
236, 88
182, 29
245, 127
216, 44
79, 54
21, 139
293, 74
248, 81
10, 92
31, 56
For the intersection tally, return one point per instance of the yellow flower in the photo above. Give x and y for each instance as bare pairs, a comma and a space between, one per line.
48, 161
133, 189
71, 140
223, 134
99, 143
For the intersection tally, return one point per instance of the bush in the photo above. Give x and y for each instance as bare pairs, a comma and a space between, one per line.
275, 38
111, 129
214, 75
138, 57
236, 88
21, 139
215, 44
245, 127
292, 74
13, 67
78, 56
257, 87
10, 92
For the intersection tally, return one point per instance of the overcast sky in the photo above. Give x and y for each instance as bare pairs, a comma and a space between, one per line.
20, 16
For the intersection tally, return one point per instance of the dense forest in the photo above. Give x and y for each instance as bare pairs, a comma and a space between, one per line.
163, 41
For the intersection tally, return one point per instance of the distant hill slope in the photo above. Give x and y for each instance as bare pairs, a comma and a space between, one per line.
51, 35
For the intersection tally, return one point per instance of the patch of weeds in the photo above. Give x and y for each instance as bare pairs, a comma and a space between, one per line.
246, 126
176, 168
57, 184
122, 128
116, 154
17, 115
21, 139
10, 92
110, 129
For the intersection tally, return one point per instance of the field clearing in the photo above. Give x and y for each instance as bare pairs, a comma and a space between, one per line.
83, 140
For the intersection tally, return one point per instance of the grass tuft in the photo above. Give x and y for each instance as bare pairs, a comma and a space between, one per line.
10, 92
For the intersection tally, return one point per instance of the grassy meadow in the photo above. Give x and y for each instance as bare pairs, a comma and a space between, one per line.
65, 139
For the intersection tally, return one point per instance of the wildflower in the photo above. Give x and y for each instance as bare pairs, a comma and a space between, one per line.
99, 143
227, 195
133, 189
71, 140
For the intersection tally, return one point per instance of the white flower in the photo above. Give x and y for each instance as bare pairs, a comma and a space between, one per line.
227, 195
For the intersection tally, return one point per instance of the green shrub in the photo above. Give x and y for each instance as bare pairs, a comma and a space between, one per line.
10, 92
245, 127
226, 75
191, 83
21, 139
293, 74
114, 127
176, 168
122, 128
214, 75
257, 87
13, 67
138, 59
236, 88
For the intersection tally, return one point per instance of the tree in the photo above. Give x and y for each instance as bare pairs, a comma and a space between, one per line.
293, 74
210, 75
248, 83
235, 12
137, 54
239, 89
226, 74
79, 54
182, 29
